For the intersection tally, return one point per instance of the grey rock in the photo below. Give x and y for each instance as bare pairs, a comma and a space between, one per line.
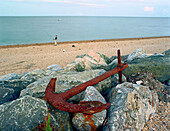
34, 75
113, 58
131, 106
54, 67
37, 78
158, 65
156, 54
166, 93
168, 82
9, 77
22, 114
21, 75
166, 53
62, 118
115, 79
138, 53
37, 88
65, 81
26, 113
6, 95
115, 61
16, 85
91, 94
123, 58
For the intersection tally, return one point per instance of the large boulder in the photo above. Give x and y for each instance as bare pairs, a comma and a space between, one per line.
81, 122
18, 83
65, 81
22, 114
26, 113
37, 88
89, 61
138, 53
9, 77
158, 65
131, 106
36, 75
11, 89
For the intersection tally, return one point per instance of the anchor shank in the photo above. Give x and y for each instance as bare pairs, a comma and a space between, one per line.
77, 89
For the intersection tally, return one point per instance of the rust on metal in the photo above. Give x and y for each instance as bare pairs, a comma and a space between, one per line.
88, 118
87, 107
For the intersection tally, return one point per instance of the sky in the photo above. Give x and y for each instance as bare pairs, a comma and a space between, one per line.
137, 8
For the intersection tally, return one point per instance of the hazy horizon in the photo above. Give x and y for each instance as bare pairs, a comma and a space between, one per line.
79, 16
117, 8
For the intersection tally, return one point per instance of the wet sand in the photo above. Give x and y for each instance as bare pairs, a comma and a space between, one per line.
24, 58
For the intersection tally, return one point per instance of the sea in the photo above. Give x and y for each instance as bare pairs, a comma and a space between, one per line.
17, 30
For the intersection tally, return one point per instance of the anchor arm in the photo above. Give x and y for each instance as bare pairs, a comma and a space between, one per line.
83, 107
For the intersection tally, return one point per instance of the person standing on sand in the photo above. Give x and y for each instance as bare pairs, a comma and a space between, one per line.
55, 38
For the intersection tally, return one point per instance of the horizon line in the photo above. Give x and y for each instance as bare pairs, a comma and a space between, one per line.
79, 16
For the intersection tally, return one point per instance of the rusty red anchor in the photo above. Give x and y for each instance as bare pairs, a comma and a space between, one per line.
87, 107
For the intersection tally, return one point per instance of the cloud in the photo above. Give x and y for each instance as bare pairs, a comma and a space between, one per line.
22, 0
149, 9
76, 2
57, 1
88, 4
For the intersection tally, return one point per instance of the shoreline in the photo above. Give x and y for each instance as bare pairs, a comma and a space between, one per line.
81, 41
20, 59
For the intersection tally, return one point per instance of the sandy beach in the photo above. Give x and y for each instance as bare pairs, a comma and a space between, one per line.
20, 59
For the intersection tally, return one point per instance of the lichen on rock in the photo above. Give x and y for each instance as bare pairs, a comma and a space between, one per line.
131, 106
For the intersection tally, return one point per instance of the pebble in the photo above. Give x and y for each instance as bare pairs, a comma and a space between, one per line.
64, 50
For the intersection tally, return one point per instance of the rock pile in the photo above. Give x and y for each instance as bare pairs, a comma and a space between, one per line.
135, 104
90, 61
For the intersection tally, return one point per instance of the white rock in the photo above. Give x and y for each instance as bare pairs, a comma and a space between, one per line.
64, 50
54, 67
138, 53
139, 82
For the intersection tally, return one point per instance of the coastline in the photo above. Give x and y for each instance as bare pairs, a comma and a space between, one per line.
70, 42
24, 58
